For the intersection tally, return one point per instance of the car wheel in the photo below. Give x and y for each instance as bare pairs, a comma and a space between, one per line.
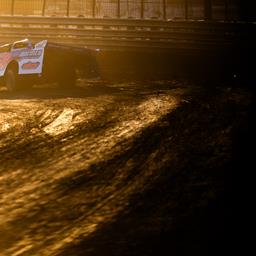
67, 78
11, 79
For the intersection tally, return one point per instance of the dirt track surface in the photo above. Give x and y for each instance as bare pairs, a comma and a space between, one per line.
113, 169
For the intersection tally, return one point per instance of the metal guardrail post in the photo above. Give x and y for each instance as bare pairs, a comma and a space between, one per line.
186, 9
118, 9
12, 7
226, 9
43, 8
68, 5
207, 9
164, 9
93, 8
142, 9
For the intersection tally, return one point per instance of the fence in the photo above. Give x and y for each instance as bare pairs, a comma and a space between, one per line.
140, 9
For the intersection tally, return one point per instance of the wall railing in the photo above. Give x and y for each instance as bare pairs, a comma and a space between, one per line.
126, 33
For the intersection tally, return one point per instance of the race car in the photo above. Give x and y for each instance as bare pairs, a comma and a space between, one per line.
23, 64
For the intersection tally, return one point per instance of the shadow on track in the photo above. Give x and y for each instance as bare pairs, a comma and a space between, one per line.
188, 206
96, 88
54, 92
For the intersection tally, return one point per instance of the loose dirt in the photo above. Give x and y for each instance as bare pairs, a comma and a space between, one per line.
129, 168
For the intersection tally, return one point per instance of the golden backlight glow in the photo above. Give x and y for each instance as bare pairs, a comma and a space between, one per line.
87, 8
33, 187
104, 114
150, 9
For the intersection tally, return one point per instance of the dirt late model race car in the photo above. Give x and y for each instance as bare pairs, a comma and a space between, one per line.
23, 64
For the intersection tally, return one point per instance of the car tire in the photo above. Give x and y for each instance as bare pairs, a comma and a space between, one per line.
10, 80
67, 78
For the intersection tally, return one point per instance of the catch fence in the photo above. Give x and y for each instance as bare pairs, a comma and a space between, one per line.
137, 9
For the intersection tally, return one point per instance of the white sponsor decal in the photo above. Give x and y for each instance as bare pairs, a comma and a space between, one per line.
27, 54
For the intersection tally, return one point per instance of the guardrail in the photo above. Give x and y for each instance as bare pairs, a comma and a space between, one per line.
125, 33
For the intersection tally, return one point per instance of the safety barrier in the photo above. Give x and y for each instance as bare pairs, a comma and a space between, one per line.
125, 33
